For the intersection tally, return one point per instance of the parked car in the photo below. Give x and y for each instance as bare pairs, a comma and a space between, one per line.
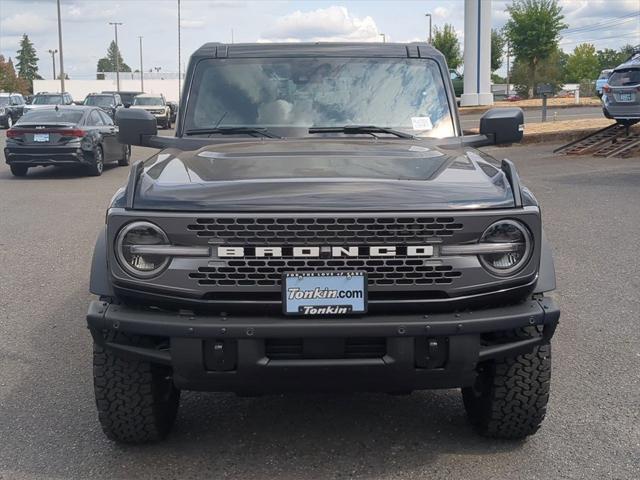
64, 135
11, 108
621, 93
48, 100
155, 105
514, 98
602, 80
126, 96
300, 233
173, 106
457, 80
109, 102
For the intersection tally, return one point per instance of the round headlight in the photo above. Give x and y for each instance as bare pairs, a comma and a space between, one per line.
515, 247
142, 265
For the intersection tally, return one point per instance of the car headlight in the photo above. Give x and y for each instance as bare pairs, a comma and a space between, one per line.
512, 236
1, 110
130, 251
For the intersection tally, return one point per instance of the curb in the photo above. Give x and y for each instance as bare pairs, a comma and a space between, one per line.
472, 110
564, 136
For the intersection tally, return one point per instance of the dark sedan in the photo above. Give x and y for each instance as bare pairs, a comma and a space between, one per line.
64, 135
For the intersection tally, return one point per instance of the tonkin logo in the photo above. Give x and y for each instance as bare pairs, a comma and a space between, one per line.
327, 252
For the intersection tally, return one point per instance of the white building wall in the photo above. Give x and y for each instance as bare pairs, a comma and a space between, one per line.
80, 88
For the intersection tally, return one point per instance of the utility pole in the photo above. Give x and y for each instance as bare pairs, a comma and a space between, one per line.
508, 72
115, 26
384, 37
232, 35
60, 48
141, 69
179, 59
429, 15
53, 59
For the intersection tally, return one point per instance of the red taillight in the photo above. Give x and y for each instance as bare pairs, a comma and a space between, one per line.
12, 133
606, 88
72, 132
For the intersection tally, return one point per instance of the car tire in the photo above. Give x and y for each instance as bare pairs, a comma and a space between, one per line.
509, 398
96, 166
19, 170
167, 124
136, 400
8, 123
124, 161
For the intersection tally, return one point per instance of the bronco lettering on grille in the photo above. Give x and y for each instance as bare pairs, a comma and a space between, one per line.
327, 252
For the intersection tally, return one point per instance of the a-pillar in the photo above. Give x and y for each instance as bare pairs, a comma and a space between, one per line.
477, 53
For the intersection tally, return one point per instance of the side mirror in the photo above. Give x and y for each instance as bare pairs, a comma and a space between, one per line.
135, 126
503, 125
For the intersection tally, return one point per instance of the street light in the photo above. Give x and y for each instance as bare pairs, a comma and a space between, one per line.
384, 37
60, 47
429, 15
141, 69
115, 26
53, 59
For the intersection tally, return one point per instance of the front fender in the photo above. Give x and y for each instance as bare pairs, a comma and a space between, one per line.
547, 273
100, 283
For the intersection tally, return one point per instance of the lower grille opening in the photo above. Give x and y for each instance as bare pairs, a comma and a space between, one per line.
236, 296
322, 348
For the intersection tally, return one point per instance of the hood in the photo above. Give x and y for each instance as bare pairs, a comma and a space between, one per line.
322, 175
39, 107
149, 107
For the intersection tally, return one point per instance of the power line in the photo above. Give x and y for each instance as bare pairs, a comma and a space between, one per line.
607, 23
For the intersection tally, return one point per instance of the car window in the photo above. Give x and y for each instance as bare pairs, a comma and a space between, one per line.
624, 78
51, 115
454, 75
95, 119
106, 119
148, 101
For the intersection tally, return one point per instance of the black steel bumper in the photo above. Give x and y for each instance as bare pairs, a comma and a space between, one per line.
231, 353
35, 156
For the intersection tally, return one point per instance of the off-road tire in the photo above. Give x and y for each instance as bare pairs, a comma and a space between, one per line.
136, 400
19, 170
8, 123
124, 161
509, 399
167, 123
95, 168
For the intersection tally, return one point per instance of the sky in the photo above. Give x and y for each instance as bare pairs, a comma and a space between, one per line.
87, 33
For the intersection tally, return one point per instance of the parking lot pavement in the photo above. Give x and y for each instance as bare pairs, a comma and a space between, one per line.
472, 120
48, 424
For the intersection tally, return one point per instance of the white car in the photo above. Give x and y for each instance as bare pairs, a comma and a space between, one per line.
155, 105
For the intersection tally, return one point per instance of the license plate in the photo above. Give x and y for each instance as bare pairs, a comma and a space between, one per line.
40, 137
324, 293
626, 97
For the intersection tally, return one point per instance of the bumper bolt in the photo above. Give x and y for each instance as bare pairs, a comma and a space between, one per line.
428, 328
116, 325
459, 327
223, 330
402, 330
250, 332
190, 330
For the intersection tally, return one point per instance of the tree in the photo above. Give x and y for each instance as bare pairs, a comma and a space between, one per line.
550, 69
582, 64
9, 81
497, 49
108, 63
446, 40
533, 32
27, 61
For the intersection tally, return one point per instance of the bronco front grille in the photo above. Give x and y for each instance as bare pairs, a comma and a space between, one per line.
252, 271
325, 230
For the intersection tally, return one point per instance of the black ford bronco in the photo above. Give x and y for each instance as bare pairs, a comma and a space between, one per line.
319, 222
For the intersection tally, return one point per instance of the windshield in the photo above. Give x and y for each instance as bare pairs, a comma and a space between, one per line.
604, 74
148, 101
51, 116
624, 78
99, 101
403, 94
47, 99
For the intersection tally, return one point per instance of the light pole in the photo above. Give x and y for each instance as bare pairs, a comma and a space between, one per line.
384, 37
429, 15
141, 69
60, 48
53, 59
179, 59
115, 26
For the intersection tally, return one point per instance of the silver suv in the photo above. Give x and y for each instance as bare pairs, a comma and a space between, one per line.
621, 93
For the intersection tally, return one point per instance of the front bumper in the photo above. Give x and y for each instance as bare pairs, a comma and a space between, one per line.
43, 156
231, 353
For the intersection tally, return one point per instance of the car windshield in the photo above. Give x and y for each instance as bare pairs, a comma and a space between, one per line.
51, 115
604, 75
99, 101
47, 99
128, 97
148, 101
624, 78
4, 101
298, 93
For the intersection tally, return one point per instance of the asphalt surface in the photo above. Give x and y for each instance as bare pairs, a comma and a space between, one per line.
472, 120
48, 425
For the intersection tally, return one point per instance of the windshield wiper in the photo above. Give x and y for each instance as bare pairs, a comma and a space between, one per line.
360, 129
254, 131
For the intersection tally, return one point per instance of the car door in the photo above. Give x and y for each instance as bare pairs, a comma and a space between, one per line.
109, 137
95, 126
19, 105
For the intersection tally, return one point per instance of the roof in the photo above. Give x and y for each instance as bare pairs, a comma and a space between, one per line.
150, 95
318, 49
633, 62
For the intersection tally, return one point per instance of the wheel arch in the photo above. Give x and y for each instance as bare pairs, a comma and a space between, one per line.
100, 282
